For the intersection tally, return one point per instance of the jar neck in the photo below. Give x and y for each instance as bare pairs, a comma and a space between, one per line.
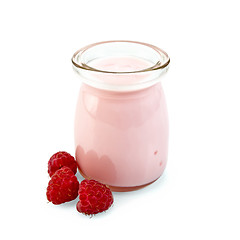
102, 93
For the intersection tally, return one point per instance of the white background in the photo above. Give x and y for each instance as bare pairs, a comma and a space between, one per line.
198, 197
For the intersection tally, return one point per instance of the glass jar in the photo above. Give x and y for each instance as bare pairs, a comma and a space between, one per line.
121, 123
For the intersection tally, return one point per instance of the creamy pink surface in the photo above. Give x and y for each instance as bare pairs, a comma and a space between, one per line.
120, 64
121, 137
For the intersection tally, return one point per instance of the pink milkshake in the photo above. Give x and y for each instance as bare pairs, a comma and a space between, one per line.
121, 124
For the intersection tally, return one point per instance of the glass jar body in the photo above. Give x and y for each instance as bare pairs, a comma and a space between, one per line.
121, 138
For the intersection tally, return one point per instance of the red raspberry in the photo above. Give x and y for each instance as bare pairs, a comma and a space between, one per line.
59, 160
63, 186
94, 197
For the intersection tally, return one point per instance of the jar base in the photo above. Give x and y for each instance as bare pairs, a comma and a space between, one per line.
122, 189
129, 189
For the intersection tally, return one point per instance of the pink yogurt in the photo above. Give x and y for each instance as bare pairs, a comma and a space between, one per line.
121, 137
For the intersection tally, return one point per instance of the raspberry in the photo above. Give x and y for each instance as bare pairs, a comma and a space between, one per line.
59, 160
63, 186
94, 197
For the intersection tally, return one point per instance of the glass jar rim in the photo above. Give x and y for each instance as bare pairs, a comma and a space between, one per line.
162, 63
139, 77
